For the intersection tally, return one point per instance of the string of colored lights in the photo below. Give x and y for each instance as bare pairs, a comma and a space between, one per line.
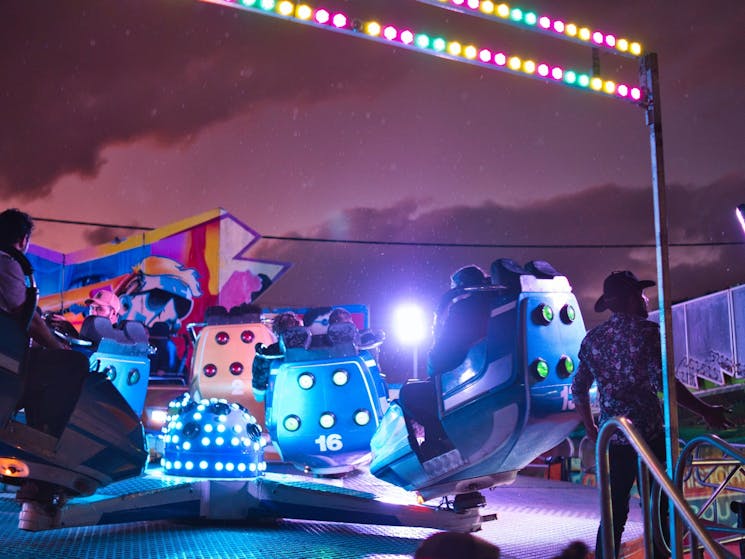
405, 37
560, 28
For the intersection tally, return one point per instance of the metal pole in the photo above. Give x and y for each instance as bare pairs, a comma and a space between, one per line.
416, 362
650, 79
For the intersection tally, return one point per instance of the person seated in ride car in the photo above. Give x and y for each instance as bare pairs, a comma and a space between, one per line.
103, 303
462, 320
53, 375
261, 366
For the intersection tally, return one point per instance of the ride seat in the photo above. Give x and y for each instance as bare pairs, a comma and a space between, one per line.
507, 272
295, 338
13, 345
541, 269
343, 333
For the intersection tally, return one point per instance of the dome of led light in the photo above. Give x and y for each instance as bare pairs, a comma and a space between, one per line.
212, 438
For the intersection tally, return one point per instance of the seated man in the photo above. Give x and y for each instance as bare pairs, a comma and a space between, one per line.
53, 374
103, 303
462, 320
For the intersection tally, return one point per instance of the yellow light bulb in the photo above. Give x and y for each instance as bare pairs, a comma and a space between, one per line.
514, 63
596, 84
454, 48
285, 8
373, 28
584, 34
503, 10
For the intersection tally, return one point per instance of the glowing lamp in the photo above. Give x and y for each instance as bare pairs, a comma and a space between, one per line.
516, 14
584, 34
340, 377
470, 52
500, 59
529, 67
559, 26
543, 70
540, 368
544, 22
543, 314
133, 377
222, 338
597, 38
209, 370
485, 55
327, 420
566, 366
636, 93
514, 63
247, 336
339, 21
236, 368
373, 28
303, 12
557, 73
306, 381
362, 417
267, 4
189, 447
292, 423
596, 84
422, 41
571, 29
407, 37
473, 4
454, 48
503, 11
439, 44
390, 32
487, 6
322, 16
530, 18
623, 90
568, 314
285, 8
635, 49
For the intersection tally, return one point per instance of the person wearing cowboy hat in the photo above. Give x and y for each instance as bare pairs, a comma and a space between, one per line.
623, 356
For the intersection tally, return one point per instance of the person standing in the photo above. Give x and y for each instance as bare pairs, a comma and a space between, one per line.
623, 356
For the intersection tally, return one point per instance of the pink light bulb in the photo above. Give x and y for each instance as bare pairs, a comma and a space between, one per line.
500, 59
543, 70
340, 20
485, 55
610, 40
544, 22
597, 38
557, 73
322, 16
559, 26
474, 4
407, 37
636, 93
623, 90
390, 32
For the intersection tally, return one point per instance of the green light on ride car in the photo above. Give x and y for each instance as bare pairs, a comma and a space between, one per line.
568, 314
292, 423
544, 314
540, 368
566, 366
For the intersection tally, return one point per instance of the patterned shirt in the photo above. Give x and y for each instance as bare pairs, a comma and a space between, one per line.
623, 356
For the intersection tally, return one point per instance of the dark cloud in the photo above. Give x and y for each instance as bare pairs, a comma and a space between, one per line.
80, 75
102, 235
373, 273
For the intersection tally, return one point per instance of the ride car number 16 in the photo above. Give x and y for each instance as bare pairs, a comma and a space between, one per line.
329, 442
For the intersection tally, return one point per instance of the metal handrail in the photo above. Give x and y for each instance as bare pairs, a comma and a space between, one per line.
730, 457
647, 464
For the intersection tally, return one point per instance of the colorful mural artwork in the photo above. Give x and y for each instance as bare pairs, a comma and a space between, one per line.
164, 278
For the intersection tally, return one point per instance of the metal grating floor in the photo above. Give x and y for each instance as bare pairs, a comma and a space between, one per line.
536, 519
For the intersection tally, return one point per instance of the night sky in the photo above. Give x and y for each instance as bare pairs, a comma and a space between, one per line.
145, 112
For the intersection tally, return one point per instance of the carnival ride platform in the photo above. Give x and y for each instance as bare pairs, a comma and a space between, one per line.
536, 518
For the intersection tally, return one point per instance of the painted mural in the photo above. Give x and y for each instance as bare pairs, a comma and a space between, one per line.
165, 278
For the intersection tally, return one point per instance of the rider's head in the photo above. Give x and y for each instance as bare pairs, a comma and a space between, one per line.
468, 276
15, 229
105, 304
